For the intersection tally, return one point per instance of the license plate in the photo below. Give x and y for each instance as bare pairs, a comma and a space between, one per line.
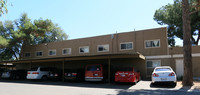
163, 78
51, 74
123, 75
69, 75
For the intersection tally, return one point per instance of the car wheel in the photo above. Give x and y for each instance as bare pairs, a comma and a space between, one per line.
174, 84
44, 78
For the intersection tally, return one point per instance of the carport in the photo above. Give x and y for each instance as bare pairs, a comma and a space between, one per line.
112, 62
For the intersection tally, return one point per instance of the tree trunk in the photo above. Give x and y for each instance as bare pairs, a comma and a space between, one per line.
198, 37
188, 73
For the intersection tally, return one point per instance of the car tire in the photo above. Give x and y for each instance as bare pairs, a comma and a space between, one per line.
44, 78
174, 84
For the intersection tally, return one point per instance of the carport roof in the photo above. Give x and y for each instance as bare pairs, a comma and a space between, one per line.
84, 57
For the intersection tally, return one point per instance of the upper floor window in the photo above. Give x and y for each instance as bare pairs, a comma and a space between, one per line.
27, 54
103, 48
152, 43
84, 49
126, 46
52, 52
66, 51
39, 53
153, 63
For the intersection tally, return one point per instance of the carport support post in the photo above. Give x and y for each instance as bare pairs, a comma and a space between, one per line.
109, 69
63, 68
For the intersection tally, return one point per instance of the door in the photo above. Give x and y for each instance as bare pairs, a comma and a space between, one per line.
179, 67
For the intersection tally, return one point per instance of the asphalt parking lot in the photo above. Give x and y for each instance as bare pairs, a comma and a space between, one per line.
26, 87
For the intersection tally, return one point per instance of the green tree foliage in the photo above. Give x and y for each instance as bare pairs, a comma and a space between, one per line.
17, 34
171, 15
3, 7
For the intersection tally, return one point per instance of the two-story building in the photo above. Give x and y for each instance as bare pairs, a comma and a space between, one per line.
143, 50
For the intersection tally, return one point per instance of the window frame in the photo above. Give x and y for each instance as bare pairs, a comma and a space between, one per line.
52, 50
126, 43
152, 63
67, 53
84, 47
151, 40
103, 47
38, 56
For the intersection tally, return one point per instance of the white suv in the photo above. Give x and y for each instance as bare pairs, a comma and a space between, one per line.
39, 73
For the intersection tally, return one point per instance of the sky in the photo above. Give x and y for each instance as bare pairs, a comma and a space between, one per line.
86, 18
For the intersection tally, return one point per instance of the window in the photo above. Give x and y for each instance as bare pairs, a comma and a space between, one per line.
27, 54
39, 53
52, 52
103, 48
84, 49
153, 63
66, 51
152, 43
162, 69
126, 46
94, 68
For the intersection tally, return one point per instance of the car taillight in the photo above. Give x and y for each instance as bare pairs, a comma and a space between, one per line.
172, 74
35, 73
116, 74
28, 73
155, 75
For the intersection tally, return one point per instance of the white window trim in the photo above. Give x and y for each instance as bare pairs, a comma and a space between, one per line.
126, 43
151, 40
67, 53
103, 50
26, 56
36, 53
52, 50
84, 47
152, 64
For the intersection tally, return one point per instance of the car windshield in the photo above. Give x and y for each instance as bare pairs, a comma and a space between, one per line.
34, 69
162, 69
93, 68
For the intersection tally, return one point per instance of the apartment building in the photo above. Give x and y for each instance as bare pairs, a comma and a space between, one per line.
143, 50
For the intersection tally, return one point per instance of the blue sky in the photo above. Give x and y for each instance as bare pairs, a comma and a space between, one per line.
86, 18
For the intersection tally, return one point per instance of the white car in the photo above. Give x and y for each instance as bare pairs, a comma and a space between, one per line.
38, 73
164, 74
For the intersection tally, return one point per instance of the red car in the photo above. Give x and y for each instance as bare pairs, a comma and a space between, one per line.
94, 72
127, 75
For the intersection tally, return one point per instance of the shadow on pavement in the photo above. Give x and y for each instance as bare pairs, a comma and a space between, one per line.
73, 84
162, 85
155, 92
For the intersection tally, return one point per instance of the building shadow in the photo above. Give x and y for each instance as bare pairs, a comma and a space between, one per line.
160, 90
156, 92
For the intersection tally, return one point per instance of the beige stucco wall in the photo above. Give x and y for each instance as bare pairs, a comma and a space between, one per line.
137, 37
